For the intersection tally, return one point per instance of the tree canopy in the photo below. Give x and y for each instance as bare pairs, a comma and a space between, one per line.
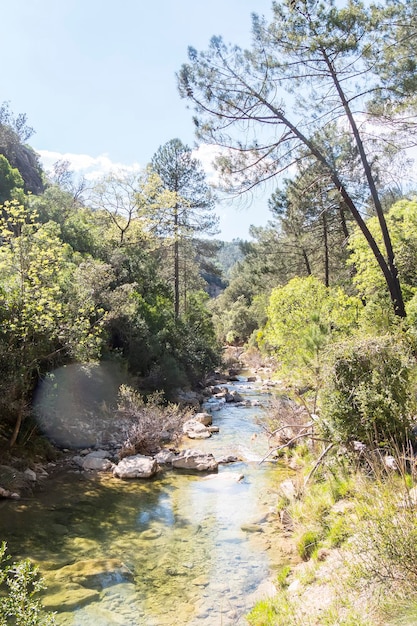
309, 71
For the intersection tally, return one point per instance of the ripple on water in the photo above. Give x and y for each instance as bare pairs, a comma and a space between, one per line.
182, 537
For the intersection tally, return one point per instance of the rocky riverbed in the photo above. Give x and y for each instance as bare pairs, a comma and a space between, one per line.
180, 547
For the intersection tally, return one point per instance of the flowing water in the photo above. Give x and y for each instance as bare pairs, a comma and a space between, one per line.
180, 549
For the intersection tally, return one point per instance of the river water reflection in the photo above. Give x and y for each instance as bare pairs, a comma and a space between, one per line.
180, 549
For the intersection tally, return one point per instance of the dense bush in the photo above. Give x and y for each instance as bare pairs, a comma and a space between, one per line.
146, 426
368, 394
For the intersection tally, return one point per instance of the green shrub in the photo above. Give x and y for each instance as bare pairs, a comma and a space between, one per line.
338, 532
20, 585
282, 576
368, 394
385, 540
308, 543
276, 611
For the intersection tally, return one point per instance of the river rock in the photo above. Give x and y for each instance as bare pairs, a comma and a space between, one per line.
203, 418
188, 398
98, 454
150, 533
195, 430
30, 475
215, 404
225, 477
233, 396
213, 429
96, 463
165, 457
251, 528
92, 573
288, 489
5, 493
70, 598
230, 458
195, 460
137, 466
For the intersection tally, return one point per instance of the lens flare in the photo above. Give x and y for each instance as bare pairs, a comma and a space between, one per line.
75, 404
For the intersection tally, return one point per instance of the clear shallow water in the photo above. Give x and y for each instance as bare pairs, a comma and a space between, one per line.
162, 552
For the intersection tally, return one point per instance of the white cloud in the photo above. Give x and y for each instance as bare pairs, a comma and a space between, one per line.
234, 220
90, 167
206, 153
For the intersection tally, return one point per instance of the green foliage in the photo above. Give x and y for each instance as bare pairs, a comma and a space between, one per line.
10, 180
368, 394
20, 585
168, 352
386, 535
339, 531
282, 576
308, 543
277, 611
402, 223
86, 231
44, 318
304, 317
240, 309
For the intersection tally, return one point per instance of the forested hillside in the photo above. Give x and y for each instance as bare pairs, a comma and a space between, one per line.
105, 271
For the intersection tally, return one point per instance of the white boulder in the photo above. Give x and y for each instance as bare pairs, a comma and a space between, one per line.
137, 466
195, 460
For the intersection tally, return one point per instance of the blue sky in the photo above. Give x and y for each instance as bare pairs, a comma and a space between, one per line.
97, 79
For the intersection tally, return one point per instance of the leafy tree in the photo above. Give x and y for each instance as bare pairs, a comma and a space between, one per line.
87, 231
304, 318
368, 393
312, 225
117, 195
402, 222
317, 53
192, 211
63, 177
43, 318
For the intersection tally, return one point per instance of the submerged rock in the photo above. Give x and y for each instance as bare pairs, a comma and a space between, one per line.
150, 534
251, 528
230, 458
233, 396
137, 466
70, 598
96, 463
91, 573
165, 457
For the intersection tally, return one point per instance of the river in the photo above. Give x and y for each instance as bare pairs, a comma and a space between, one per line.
180, 549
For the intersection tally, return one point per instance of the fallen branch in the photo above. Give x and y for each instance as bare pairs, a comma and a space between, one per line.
289, 443
289, 426
317, 463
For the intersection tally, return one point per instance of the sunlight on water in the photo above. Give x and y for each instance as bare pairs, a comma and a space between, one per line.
180, 549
